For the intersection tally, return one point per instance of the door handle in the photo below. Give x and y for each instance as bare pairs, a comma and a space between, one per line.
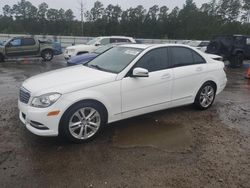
166, 76
199, 69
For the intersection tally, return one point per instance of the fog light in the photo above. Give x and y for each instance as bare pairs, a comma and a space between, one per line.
38, 125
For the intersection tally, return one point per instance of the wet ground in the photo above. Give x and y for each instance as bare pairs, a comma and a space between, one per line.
179, 147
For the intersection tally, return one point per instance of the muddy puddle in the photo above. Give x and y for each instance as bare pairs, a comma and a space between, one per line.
151, 132
236, 116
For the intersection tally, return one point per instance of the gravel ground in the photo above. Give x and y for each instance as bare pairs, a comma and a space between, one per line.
179, 147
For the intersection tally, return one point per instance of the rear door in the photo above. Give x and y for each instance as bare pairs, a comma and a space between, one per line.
29, 47
189, 69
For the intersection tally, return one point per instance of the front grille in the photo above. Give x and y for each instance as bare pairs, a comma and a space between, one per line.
24, 95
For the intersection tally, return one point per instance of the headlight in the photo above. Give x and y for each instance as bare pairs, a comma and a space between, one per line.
46, 100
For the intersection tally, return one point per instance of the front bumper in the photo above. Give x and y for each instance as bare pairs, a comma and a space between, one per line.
32, 118
68, 55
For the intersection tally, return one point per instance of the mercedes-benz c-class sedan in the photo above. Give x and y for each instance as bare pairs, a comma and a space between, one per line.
126, 81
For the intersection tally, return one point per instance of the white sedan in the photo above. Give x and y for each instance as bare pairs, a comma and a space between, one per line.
126, 81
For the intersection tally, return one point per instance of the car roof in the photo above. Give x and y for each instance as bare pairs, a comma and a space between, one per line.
115, 37
145, 46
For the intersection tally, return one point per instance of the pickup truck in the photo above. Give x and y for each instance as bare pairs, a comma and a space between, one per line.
21, 47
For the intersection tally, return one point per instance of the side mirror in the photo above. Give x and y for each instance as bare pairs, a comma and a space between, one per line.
98, 44
140, 72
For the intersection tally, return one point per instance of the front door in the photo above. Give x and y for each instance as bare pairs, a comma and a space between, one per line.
145, 94
13, 48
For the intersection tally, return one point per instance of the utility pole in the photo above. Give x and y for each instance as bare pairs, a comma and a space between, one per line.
82, 14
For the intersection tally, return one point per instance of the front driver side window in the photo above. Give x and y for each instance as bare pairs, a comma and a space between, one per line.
15, 42
154, 60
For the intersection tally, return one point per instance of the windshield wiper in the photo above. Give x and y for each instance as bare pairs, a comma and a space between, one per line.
96, 67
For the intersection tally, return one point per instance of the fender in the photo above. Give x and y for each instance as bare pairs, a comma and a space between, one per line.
238, 50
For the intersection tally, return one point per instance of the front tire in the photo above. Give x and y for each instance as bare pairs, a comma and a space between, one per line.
82, 122
205, 96
47, 55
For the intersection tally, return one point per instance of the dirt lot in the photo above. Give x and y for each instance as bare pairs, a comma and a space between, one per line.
179, 147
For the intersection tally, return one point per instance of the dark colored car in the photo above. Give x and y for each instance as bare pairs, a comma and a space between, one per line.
235, 48
57, 48
2, 43
84, 58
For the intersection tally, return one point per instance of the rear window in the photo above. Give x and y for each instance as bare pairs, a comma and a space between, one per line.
119, 40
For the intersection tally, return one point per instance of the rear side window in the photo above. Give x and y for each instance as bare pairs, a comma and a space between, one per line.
28, 42
197, 58
182, 56
154, 60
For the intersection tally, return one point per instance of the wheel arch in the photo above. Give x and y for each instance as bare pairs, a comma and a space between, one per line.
237, 51
47, 49
82, 101
205, 82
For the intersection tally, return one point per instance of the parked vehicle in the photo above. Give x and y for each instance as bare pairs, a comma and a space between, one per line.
94, 44
26, 47
235, 48
201, 45
84, 58
2, 43
57, 48
126, 81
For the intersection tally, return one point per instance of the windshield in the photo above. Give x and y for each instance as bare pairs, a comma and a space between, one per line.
93, 41
115, 59
103, 49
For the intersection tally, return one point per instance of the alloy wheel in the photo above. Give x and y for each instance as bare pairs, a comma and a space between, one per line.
207, 96
84, 123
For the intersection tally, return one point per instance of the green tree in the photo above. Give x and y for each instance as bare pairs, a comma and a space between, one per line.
53, 15
7, 11
42, 11
229, 10
69, 15
246, 9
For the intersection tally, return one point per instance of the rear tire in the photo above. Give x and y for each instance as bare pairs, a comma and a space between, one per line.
47, 55
78, 125
205, 96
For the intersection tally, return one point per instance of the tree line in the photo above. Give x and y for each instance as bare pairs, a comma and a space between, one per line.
189, 22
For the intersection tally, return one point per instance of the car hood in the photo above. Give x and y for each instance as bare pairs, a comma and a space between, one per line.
82, 47
82, 58
67, 80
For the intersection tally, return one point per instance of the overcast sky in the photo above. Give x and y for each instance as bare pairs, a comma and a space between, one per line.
75, 4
